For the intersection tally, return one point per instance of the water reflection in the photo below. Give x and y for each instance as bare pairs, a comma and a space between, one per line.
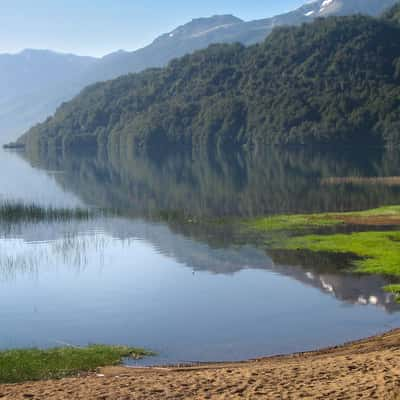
234, 184
20, 182
28, 249
162, 274
182, 189
330, 273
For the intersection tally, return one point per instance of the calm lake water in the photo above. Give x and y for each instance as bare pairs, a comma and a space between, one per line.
159, 276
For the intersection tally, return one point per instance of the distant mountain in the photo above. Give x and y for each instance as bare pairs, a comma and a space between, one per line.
256, 31
195, 35
34, 83
200, 33
324, 8
334, 81
33, 70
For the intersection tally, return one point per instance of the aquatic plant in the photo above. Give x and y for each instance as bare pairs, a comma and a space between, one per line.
19, 211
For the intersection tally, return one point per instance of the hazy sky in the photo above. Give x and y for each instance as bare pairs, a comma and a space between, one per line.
97, 27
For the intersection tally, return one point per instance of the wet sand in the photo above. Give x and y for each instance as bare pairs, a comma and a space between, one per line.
368, 369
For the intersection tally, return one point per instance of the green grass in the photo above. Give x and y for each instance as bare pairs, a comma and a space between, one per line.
377, 252
33, 364
292, 222
388, 211
313, 221
19, 212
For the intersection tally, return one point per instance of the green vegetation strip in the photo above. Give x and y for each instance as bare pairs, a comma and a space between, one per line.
378, 252
16, 212
327, 82
313, 221
33, 364
375, 252
292, 222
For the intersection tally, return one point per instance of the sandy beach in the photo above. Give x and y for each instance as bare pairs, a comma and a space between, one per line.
368, 369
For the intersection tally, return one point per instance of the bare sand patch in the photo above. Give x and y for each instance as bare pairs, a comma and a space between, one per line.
368, 369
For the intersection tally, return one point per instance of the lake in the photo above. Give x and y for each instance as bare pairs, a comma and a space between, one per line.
159, 273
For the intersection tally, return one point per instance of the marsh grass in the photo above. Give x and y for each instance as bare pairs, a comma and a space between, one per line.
374, 249
299, 222
292, 222
377, 252
388, 211
34, 364
13, 212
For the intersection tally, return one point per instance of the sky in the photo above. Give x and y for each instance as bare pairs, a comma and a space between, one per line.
98, 27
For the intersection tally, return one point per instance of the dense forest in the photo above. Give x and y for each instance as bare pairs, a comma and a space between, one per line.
335, 81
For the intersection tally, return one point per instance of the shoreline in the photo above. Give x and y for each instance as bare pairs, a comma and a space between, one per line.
363, 369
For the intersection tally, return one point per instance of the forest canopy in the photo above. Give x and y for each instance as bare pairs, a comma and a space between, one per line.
334, 81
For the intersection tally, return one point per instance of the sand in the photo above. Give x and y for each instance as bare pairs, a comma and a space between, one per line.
369, 369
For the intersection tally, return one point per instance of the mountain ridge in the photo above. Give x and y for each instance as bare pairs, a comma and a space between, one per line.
24, 102
334, 81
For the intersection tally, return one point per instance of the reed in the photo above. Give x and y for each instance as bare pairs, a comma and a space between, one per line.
16, 212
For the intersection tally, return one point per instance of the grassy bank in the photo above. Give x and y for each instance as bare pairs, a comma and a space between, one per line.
380, 216
378, 252
19, 212
375, 251
33, 364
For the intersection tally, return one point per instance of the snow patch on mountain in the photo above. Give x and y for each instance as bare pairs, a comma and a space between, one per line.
215, 28
325, 4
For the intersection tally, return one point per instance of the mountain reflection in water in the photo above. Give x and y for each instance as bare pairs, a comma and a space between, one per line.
26, 248
166, 245
225, 184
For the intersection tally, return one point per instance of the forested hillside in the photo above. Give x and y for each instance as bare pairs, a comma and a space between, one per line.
334, 81
59, 77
